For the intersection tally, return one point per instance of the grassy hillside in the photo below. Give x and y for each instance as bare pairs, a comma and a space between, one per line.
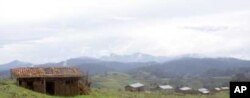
111, 80
8, 89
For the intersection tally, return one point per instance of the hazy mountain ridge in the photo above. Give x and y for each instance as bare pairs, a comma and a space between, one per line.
136, 57
13, 64
94, 66
176, 65
197, 66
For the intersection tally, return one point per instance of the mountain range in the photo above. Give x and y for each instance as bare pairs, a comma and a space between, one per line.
198, 67
136, 57
158, 65
13, 64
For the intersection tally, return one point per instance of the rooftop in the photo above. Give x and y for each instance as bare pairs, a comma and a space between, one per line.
165, 87
224, 88
185, 88
29, 72
136, 85
203, 90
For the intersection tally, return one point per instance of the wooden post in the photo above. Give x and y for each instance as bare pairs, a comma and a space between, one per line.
17, 82
44, 85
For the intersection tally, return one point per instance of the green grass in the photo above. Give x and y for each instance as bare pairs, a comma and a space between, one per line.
123, 94
112, 80
8, 89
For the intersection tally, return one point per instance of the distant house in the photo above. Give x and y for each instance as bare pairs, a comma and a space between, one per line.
224, 88
165, 87
136, 87
217, 89
204, 91
185, 89
62, 81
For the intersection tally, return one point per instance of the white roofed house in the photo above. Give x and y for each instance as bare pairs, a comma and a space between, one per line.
204, 91
165, 87
135, 87
216, 89
224, 88
186, 90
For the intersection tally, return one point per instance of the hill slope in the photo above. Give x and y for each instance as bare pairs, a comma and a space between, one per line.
9, 90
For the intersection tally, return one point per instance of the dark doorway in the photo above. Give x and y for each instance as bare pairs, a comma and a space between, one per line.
19, 82
30, 85
50, 88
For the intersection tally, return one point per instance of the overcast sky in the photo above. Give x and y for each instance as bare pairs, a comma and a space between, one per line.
52, 30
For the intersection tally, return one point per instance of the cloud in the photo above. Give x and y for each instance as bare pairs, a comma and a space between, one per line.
207, 28
50, 31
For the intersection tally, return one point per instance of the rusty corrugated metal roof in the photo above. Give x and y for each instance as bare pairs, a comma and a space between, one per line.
45, 72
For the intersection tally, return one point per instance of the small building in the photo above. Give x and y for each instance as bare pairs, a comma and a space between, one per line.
217, 89
204, 91
224, 88
136, 87
60, 81
185, 89
165, 87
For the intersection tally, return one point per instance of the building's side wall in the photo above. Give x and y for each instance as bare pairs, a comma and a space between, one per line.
128, 88
66, 87
74, 87
39, 86
139, 89
62, 86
